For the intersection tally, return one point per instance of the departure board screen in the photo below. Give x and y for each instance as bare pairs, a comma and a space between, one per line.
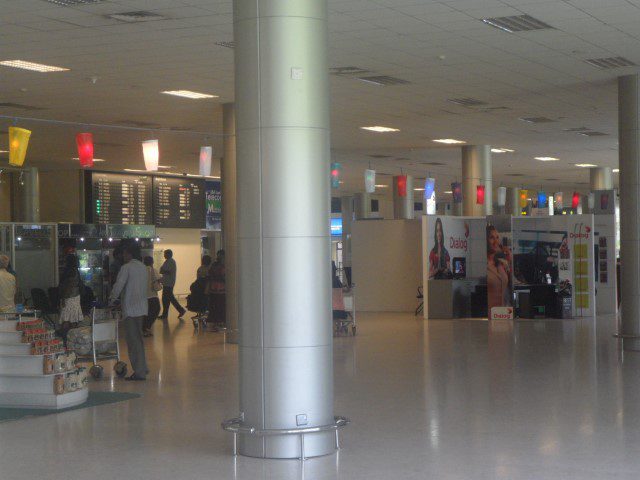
179, 202
121, 199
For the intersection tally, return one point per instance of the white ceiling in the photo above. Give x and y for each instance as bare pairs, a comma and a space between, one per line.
441, 47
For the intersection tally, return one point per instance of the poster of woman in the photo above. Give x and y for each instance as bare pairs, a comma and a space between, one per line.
439, 259
499, 261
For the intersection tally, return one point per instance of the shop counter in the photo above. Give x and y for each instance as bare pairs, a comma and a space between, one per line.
456, 298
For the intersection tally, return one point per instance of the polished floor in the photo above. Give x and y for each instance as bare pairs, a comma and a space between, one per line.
438, 400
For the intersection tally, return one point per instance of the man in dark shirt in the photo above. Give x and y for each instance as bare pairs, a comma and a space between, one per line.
168, 270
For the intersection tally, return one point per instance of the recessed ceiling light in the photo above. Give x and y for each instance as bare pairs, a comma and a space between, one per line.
449, 141
36, 67
382, 186
379, 129
616, 170
419, 189
585, 165
448, 191
547, 159
189, 94
96, 160
4, 151
502, 150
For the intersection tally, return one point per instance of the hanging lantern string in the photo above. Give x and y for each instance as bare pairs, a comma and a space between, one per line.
107, 126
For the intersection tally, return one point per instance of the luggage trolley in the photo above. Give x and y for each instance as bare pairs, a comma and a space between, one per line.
104, 341
344, 310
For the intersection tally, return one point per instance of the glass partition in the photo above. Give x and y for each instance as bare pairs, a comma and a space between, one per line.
35, 257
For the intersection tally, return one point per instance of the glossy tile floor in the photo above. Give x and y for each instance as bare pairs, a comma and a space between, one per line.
440, 399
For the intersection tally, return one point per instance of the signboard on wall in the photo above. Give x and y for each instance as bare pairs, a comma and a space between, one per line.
117, 198
178, 202
213, 190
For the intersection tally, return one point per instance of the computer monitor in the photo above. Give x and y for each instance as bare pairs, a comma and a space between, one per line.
459, 267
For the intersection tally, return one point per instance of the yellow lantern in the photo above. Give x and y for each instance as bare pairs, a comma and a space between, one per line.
18, 143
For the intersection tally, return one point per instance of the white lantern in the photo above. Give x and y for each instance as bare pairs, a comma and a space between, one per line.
502, 196
591, 200
151, 153
205, 160
370, 181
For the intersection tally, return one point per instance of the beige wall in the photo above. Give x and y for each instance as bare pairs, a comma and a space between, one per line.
185, 243
5, 198
387, 264
60, 196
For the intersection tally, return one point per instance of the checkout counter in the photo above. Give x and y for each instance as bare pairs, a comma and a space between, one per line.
457, 298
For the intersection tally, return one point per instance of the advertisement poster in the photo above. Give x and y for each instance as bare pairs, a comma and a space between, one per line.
447, 247
499, 267
582, 250
213, 191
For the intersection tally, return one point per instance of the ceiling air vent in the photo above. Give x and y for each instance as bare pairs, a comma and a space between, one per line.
136, 123
132, 17
402, 159
383, 80
435, 164
348, 71
71, 3
466, 102
514, 175
537, 120
592, 133
610, 62
19, 106
230, 44
577, 129
517, 23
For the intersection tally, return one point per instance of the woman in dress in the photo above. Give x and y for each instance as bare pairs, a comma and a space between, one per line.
498, 271
70, 288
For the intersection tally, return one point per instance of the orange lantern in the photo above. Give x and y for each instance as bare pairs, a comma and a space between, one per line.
18, 143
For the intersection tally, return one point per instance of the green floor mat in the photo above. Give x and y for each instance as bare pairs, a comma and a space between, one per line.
95, 399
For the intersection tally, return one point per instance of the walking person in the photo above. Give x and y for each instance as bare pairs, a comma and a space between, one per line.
132, 285
7, 286
70, 289
168, 270
153, 287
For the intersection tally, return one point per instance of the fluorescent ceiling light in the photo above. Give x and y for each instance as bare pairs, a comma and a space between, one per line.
419, 189
585, 165
502, 150
134, 170
189, 94
449, 141
448, 191
98, 160
616, 170
36, 67
4, 151
379, 129
382, 186
547, 159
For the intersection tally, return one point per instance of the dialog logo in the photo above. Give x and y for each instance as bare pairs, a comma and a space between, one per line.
502, 313
458, 243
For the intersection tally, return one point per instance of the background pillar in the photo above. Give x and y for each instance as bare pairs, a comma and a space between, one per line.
229, 219
601, 178
629, 152
347, 219
284, 246
476, 170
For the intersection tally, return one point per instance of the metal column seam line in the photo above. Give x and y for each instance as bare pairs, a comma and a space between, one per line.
259, 57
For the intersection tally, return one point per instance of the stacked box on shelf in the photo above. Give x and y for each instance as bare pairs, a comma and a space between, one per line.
33, 371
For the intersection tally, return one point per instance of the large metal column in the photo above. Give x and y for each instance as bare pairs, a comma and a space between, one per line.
229, 220
513, 202
403, 206
629, 152
284, 247
601, 178
476, 170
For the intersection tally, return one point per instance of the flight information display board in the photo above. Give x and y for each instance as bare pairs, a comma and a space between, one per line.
179, 202
120, 199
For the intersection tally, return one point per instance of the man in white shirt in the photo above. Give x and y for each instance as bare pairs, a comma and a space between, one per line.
132, 284
7, 286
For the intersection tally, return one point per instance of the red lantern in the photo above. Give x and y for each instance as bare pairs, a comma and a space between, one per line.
575, 200
401, 184
85, 149
480, 194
